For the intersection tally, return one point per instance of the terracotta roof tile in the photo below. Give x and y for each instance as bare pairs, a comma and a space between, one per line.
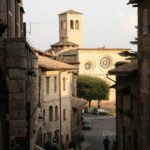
50, 64
64, 43
70, 12
78, 103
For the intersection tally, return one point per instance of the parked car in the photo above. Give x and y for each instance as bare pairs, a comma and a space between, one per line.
100, 111
87, 125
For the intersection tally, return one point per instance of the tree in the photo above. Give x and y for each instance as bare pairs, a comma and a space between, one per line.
92, 88
129, 55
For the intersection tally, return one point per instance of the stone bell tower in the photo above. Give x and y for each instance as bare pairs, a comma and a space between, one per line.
70, 27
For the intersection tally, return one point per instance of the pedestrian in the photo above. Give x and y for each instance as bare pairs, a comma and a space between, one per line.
80, 146
106, 143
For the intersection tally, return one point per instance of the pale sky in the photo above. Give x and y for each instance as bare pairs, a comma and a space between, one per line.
108, 23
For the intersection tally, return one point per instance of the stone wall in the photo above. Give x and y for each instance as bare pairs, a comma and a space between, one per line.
11, 12
144, 61
127, 111
21, 77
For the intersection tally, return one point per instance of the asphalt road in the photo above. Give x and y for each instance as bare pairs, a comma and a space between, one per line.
101, 126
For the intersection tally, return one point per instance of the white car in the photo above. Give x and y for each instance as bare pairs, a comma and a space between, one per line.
100, 111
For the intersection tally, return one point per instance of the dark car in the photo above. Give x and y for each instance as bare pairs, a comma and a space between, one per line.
87, 125
100, 111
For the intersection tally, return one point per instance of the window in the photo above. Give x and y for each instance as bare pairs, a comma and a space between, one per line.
64, 83
71, 24
64, 114
47, 85
55, 84
77, 24
61, 24
64, 25
56, 113
50, 113
145, 21
43, 116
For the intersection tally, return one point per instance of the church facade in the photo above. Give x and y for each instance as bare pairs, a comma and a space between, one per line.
91, 61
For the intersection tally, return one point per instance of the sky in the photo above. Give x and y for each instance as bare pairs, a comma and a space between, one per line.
109, 23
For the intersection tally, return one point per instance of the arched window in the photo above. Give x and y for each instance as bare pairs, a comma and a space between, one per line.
77, 24
56, 113
50, 113
64, 25
71, 24
61, 24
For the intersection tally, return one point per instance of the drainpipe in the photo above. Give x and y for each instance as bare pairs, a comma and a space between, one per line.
110, 78
60, 140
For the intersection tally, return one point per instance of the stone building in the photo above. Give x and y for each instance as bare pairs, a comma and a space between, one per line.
140, 82
127, 106
11, 13
144, 71
18, 69
76, 125
55, 98
91, 61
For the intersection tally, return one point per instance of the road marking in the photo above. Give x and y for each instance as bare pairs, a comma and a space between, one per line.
99, 117
108, 133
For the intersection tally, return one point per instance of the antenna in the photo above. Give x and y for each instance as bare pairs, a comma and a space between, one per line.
31, 23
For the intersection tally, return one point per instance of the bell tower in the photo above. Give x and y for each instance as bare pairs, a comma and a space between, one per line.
70, 27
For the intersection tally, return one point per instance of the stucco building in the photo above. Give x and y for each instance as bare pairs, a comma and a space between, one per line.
91, 61
56, 79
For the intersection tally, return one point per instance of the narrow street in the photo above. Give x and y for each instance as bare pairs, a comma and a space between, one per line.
101, 126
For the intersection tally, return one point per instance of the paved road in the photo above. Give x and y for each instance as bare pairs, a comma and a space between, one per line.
101, 126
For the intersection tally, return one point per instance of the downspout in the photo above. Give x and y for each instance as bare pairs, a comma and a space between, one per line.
60, 141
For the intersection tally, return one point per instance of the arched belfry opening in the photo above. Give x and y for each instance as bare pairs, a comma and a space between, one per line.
71, 24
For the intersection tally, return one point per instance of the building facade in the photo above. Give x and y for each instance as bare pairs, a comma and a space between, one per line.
55, 99
91, 61
11, 14
18, 69
127, 106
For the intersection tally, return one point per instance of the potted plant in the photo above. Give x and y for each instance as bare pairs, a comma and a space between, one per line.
3, 27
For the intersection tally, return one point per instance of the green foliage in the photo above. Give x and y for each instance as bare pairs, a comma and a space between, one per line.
92, 88
2, 27
129, 55
120, 63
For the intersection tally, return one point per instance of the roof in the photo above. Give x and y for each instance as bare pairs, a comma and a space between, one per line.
78, 103
50, 64
103, 48
133, 1
44, 53
64, 43
70, 12
126, 68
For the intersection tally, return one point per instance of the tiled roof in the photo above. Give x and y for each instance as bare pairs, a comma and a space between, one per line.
103, 48
70, 12
50, 64
44, 53
78, 103
64, 43
126, 68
